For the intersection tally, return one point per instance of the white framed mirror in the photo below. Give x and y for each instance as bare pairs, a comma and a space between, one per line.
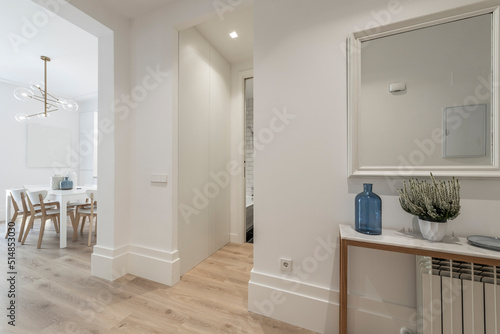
423, 96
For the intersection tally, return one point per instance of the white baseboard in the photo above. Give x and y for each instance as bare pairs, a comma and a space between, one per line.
109, 263
316, 308
156, 265
236, 238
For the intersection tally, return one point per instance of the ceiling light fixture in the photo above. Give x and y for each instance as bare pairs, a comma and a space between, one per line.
233, 34
50, 102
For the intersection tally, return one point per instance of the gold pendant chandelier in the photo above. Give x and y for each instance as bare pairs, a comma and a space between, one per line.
51, 103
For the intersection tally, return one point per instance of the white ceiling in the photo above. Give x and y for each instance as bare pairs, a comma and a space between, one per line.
72, 73
134, 8
216, 31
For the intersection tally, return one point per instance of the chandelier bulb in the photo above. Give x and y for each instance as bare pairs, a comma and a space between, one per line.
70, 105
23, 94
22, 118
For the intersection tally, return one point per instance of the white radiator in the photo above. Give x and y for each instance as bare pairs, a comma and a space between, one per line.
463, 300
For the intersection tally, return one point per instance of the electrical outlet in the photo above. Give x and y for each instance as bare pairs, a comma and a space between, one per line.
286, 264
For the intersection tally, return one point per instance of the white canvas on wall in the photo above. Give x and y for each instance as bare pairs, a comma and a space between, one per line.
48, 146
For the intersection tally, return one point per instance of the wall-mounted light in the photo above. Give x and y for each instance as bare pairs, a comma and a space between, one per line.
233, 34
51, 103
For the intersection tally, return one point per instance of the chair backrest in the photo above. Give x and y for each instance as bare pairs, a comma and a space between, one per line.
34, 196
17, 196
92, 194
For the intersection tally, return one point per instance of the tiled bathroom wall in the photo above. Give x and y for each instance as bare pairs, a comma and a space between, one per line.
249, 146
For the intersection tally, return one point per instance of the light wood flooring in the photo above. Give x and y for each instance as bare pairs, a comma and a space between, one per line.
56, 294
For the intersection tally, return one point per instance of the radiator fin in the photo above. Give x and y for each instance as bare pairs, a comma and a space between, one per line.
473, 307
451, 297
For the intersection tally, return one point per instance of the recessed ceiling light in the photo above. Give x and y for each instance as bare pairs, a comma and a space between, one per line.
233, 34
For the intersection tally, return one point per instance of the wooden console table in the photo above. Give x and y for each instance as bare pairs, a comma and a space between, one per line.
451, 248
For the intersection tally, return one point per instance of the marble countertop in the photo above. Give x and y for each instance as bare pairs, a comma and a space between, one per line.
414, 240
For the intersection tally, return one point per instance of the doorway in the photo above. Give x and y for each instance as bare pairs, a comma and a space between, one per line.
249, 158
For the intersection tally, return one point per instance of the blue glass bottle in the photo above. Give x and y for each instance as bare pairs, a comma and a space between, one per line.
66, 184
368, 211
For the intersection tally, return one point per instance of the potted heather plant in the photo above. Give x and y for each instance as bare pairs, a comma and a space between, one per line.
433, 203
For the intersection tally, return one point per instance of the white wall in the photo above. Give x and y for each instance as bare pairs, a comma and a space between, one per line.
204, 114
88, 139
15, 172
302, 192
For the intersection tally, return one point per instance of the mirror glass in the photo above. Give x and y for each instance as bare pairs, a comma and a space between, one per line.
421, 99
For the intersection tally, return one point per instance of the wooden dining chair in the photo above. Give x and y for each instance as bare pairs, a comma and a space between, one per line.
85, 205
85, 211
79, 203
36, 198
19, 208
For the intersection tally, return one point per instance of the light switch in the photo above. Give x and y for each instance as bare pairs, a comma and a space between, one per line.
397, 87
159, 178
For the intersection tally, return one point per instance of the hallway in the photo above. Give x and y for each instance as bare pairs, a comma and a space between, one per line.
56, 294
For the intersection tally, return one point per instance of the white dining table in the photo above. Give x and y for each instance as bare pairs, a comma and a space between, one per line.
61, 196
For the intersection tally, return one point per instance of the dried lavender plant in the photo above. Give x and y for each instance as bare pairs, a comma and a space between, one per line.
435, 201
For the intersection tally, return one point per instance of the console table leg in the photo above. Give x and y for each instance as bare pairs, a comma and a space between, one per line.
343, 288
